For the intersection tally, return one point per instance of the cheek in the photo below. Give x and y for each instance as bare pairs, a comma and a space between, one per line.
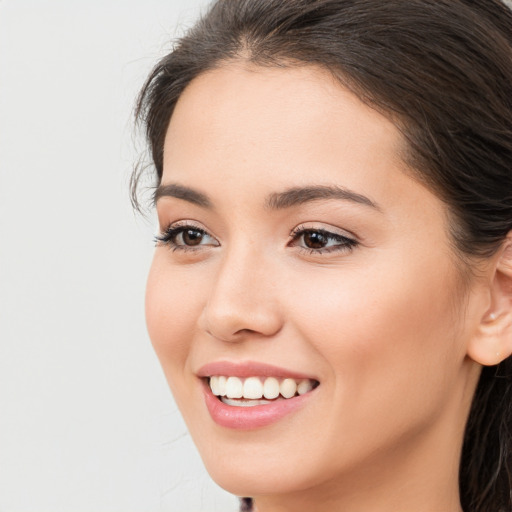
173, 304
372, 307
386, 334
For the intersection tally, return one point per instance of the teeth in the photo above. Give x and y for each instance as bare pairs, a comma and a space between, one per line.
288, 388
214, 385
222, 385
257, 390
244, 403
304, 386
253, 388
234, 388
271, 388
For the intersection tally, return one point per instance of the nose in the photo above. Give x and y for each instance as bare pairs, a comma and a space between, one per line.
243, 301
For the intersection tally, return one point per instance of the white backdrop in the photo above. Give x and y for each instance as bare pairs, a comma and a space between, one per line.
86, 420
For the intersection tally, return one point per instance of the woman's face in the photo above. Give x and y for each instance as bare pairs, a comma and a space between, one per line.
296, 246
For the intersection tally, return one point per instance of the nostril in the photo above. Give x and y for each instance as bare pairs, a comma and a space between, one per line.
237, 309
226, 331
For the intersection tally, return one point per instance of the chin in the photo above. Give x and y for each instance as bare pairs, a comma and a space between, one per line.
246, 469
246, 479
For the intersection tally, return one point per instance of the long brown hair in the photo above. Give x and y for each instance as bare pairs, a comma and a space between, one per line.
441, 70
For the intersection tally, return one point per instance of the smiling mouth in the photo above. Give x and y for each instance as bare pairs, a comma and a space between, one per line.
252, 391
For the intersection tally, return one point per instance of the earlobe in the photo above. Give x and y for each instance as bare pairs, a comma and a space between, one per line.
492, 343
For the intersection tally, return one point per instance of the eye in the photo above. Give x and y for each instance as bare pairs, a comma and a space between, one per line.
320, 240
186, 237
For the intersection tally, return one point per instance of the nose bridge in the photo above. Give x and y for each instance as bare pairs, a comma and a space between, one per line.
243, 297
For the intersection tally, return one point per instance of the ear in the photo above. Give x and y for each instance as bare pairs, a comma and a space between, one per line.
492, 343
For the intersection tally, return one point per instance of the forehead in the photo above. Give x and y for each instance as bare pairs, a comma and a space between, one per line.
241, 133
274, 117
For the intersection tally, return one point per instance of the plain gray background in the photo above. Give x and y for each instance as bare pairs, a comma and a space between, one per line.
86, 420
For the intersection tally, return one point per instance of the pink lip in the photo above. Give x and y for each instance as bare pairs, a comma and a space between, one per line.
248, 369
247, 418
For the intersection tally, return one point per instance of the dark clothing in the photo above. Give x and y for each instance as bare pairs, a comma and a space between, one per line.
245, 505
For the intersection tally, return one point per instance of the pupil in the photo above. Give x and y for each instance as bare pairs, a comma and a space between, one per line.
314, 240
192, 237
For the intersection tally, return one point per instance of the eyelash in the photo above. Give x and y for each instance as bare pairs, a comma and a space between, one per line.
169, 235
343, 243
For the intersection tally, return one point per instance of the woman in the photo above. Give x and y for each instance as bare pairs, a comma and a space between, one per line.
331, 292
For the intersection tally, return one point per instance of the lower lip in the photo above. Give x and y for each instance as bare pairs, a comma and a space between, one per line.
246, 418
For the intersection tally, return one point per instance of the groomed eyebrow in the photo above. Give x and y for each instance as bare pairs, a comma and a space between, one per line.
181, 192
299, 195
277, 201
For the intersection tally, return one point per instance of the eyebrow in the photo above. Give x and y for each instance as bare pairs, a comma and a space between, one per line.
276, 201
299, 195
181, 192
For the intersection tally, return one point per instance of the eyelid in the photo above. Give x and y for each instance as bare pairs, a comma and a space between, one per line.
343, 243
183, 223
173, 229
319, 226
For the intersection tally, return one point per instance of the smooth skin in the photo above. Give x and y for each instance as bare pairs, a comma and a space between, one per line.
387, 321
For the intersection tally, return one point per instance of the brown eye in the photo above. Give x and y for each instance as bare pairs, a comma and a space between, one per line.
315, 240
185, 237
321, 241
190, 237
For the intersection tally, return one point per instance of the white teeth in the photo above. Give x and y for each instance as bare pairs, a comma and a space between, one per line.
304, 386
222, 385
288, 388
234, 388
256, 388
253, 388
271, 388
244, 403
214, 385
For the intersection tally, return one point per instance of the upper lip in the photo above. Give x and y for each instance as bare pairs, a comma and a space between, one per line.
248, 369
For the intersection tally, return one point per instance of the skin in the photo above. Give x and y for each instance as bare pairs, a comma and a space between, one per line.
384, 326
